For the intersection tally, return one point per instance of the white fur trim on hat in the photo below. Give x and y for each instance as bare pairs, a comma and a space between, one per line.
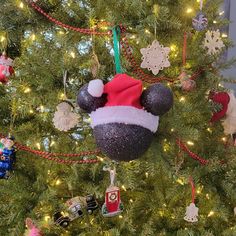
95, 88
126, 115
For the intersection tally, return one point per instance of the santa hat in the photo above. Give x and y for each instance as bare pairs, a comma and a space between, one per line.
123, 103
222, 98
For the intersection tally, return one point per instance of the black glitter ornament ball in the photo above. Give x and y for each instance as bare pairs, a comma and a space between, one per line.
87, 102
157, 99
122, 142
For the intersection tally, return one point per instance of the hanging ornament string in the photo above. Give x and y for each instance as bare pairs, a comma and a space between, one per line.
201, 4
192, 188
191, 154
184, 49
57, 22
112, 174
13, 114
116, 45
64, 82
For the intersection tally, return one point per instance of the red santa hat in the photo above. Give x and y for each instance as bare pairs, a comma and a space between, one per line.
222, 98
123, 103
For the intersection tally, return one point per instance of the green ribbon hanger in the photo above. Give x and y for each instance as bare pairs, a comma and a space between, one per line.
116, 45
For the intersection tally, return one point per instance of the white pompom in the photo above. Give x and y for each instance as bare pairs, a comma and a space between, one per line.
95, 88
64, 118
191, 213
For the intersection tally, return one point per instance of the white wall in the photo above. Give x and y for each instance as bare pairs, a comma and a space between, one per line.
232, 51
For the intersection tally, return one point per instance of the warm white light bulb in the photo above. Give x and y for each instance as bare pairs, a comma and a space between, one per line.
2, 39
190, 143
21, 5
211, 213
58, 182
27, 90
72, 54
189, 10
33, 37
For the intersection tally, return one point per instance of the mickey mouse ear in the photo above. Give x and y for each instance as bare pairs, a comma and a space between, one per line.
157, 99
91, 99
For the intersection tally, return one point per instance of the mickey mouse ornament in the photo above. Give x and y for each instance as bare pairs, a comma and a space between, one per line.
124, 118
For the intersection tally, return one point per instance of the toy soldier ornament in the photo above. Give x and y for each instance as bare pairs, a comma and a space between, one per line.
7, 156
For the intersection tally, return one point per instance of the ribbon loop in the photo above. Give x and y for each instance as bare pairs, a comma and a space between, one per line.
116, 45
201, 3
112, 174
65, 73
193, 189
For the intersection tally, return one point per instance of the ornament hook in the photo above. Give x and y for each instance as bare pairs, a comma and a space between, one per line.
112, 173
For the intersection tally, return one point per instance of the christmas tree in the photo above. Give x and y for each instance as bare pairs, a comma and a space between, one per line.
184, 184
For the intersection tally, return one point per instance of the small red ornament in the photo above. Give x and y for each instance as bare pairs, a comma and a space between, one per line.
6, 68
113, 205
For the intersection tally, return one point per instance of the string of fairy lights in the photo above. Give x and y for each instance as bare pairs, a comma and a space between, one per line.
182, 181
43, 109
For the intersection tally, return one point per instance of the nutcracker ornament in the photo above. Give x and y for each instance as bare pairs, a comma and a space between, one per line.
124, 118
113, 205
7, 156
6, 68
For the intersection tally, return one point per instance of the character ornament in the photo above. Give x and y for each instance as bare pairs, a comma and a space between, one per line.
6, 68
113, 205
124, 118
7, 156
65, 117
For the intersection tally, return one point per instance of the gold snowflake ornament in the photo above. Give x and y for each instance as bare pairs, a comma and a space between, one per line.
155, 57
213, 42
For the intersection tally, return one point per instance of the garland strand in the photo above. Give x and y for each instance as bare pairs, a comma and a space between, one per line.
53, 156
57, 22
124, 43
190, 153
